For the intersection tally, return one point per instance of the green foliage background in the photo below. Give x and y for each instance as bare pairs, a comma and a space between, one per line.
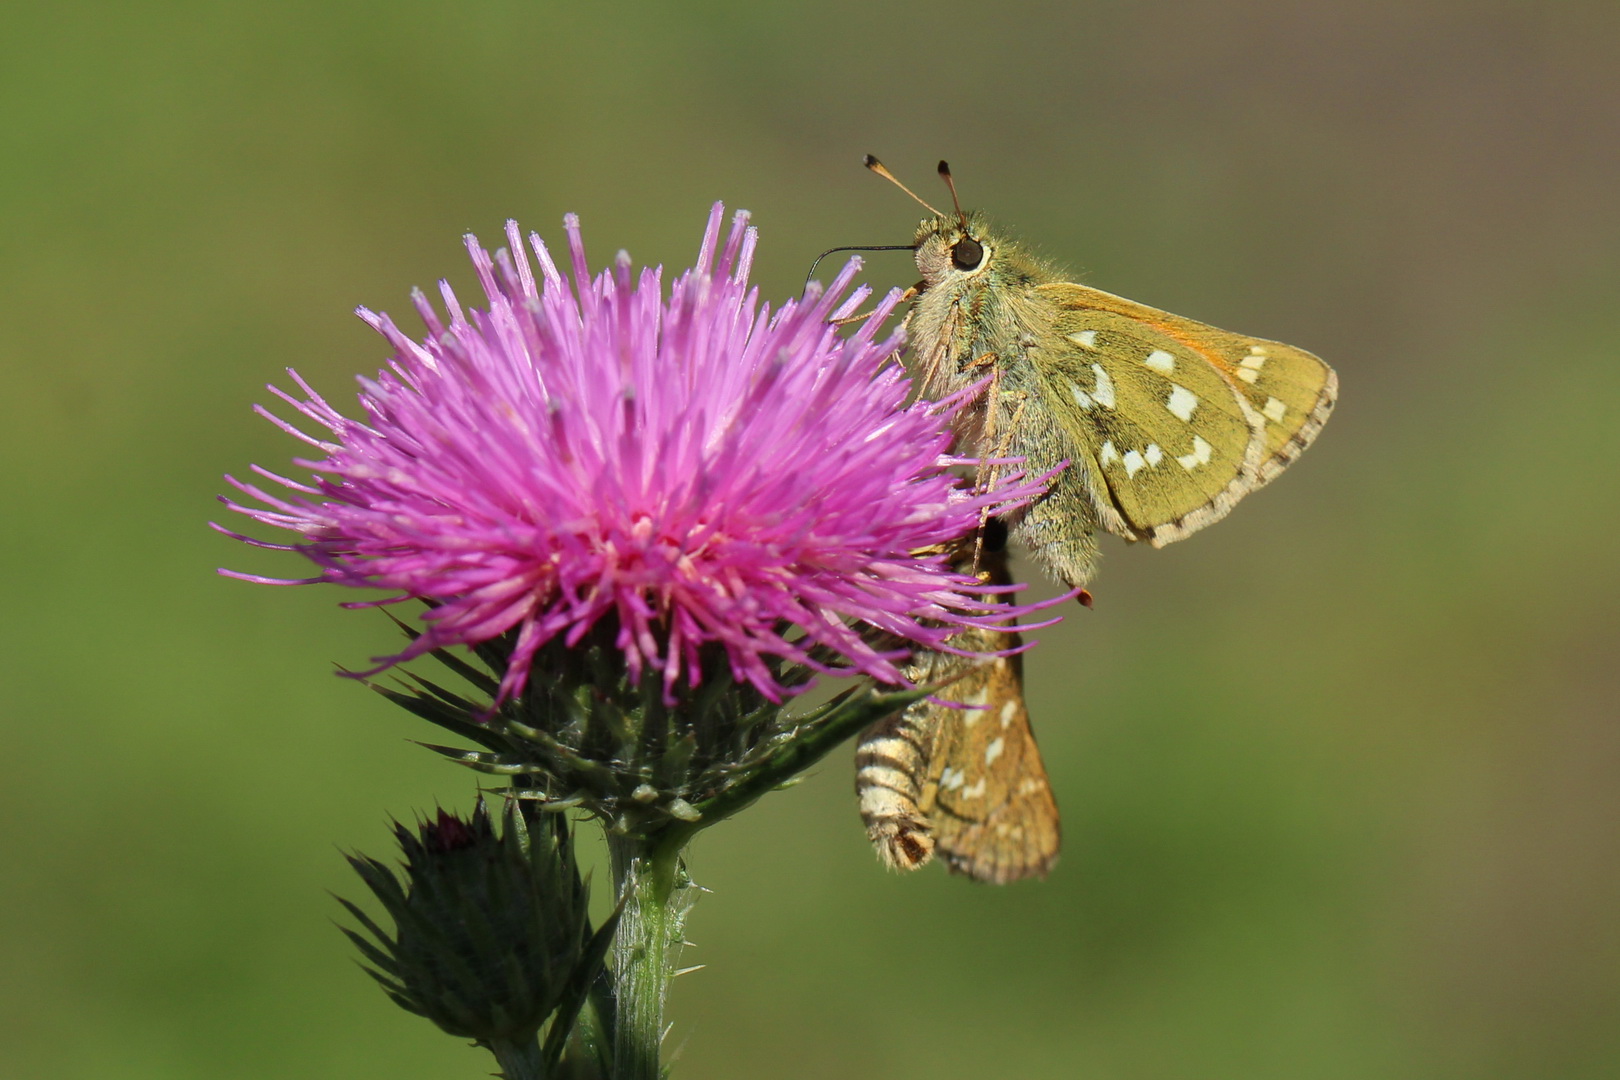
1341, 778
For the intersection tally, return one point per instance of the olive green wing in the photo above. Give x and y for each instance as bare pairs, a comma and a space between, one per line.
1172, 425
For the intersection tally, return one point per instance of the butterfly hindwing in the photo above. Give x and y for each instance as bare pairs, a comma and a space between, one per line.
991, 806
960, 774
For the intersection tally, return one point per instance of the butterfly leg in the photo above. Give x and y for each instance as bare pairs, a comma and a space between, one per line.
992, 396
994, 445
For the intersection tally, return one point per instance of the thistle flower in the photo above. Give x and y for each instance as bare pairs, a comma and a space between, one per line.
691, 473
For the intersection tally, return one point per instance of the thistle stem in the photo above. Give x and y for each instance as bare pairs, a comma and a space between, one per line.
519, 1060
648, 883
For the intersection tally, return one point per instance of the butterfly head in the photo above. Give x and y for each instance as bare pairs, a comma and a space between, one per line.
953, 250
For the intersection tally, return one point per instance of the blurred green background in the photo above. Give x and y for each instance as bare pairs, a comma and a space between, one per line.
1341, 777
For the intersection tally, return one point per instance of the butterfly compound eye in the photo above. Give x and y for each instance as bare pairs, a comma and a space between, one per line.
967, 254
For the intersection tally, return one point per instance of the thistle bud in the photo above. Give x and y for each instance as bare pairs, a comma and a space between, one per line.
492, 933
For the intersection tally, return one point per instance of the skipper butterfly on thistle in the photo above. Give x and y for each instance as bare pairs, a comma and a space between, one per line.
1164, 423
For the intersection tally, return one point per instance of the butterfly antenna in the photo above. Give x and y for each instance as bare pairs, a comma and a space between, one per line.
945, 175
871, 247
882, 170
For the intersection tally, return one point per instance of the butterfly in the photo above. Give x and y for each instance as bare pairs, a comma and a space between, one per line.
1163, 423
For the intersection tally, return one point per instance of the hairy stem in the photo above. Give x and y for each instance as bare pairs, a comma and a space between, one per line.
650, 884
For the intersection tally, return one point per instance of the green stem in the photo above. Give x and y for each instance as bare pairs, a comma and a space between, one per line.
647, 882
519, 1060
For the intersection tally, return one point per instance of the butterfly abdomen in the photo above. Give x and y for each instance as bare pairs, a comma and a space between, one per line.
890, 771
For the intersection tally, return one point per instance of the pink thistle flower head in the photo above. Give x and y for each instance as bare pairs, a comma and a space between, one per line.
696, 471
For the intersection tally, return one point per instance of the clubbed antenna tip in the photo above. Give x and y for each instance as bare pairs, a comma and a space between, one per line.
878, 167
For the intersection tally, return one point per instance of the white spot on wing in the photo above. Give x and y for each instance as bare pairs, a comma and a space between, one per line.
1159, 360
1200, 455
1086, 339
1009, 709
1274, 410
975, 791
973, 707
1081, 398
1181, 402
994, 750
951, 779
1153, 454
1133, 462
1108, 453
1105, 387
1248, 375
